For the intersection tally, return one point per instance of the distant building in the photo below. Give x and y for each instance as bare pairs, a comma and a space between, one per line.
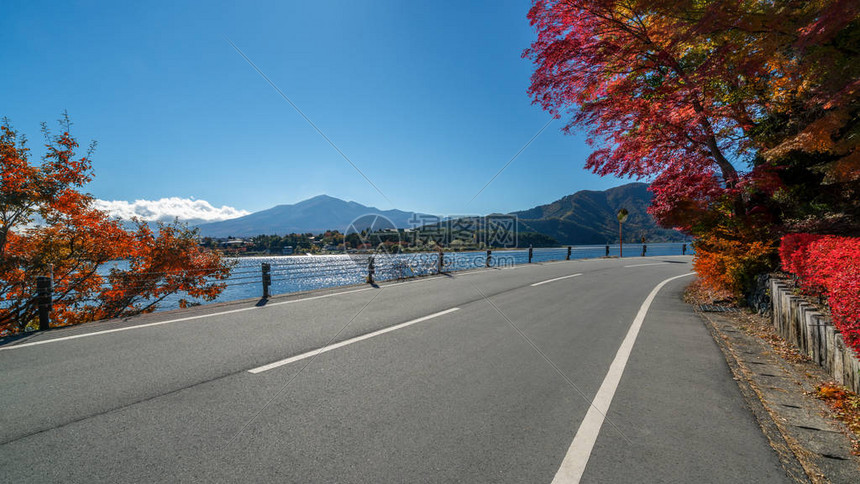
287, 250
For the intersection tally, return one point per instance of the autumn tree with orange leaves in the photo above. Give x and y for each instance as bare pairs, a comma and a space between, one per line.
743, 114
48, 227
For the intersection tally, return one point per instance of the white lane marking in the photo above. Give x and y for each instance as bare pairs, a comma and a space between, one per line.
556, 279
651, 264
580, 449
189, 318
469, 273
350, 341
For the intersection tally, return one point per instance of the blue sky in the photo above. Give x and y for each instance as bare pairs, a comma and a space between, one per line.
427, 98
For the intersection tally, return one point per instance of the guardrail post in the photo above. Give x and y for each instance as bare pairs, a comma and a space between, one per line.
267, 279
441, 264
370, 270
607, 250
644, 248
489, 257
569, 249
44, 298
684, 249
531, 252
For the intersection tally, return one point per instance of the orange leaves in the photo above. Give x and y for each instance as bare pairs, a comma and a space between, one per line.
815, 138
846, 169
16, 174
831, 392
76, 243
728, 258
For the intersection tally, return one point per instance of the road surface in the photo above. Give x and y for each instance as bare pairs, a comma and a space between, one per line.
590, 370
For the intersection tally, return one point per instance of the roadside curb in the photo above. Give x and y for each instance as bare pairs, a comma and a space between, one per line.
810, 446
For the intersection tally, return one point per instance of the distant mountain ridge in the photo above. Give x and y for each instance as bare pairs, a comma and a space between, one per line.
314, 215
589, 217
585, 217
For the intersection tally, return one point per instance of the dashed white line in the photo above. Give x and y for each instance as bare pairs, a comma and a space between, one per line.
350, 341
472, 272
233, 311
579, 452
189, 318
651, 264
556, 279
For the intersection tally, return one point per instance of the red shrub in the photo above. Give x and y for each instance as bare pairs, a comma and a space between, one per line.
794, 254
829, 265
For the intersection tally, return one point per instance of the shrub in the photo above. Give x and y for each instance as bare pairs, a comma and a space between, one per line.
828, 265
729, 262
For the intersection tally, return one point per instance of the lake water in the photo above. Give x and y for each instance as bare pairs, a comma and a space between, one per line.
302, 273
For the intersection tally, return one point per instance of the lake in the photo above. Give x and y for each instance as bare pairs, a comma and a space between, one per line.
302, 273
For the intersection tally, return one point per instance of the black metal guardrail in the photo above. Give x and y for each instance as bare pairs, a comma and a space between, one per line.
374, 269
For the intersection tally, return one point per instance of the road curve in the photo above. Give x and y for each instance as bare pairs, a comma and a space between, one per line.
483, 376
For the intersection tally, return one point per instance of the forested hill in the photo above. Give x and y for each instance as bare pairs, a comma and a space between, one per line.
589, 217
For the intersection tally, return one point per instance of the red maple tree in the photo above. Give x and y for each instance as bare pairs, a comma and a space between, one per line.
684, 92
744, 115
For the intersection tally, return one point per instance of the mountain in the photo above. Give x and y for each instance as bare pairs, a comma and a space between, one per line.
589, 217
586, 217
314, 215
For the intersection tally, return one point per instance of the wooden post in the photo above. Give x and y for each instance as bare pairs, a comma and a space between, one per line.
569, 249
489, 257
44, 300
267, 279
531, 253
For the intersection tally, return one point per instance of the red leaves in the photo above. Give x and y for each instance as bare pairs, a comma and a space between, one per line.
632, 74
830, 266
679, 88
684, 198
680, 91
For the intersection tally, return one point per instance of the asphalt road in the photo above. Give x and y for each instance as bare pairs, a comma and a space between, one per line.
484, 376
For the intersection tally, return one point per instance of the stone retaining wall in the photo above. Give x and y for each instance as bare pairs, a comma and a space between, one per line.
801, 324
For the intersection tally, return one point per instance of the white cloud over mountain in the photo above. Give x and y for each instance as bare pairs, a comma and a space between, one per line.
167, 209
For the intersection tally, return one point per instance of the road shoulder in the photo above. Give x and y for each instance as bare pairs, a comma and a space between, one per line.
779, 392
682, 416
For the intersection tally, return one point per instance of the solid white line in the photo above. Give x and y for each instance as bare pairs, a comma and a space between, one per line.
651, 264
580, 449
189, 318
556, 279
350, 341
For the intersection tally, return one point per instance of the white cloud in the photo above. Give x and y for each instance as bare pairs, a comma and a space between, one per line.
167, 209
